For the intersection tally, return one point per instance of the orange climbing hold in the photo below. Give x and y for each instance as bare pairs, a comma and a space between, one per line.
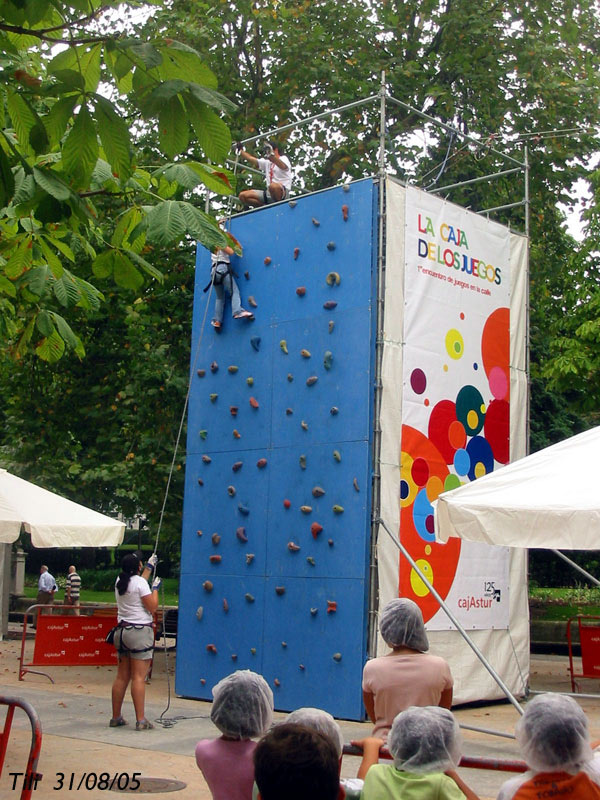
253, 402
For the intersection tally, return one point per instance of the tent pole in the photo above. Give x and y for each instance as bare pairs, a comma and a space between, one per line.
587, 575
452, 618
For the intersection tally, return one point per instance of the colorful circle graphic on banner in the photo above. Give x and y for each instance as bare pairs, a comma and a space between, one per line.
470, 409
497, 429
442, 416
418, 381
416, 583
455, 345
495, 346
408, 488
481, 457
423, 517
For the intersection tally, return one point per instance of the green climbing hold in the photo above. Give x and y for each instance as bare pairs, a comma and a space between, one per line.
328, 359
338, 509
250, 381
232, 369
283, 345
311, 561
337, 456
302, 461
213, 397
203, 434
250, 598
333, 279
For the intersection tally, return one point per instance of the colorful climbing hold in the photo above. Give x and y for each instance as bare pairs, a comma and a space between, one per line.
283, 345
199, 533
255, 342
253, 650
311, 561
292, 203
333, 279
244, 510
280, 590
289, 411
250, 381
249, 558
293, 547
247, 275
207, 586
237, 466
301, 291
330, 542
249, 597
334, 410
261, 463
267, 261
213, 397
355, 484
304, 425
290, 377
206, 459
315, 222
312, 380
315, 529
301, 666
327, 359
202, 681
215, 538
231, 491
199, 612
200, 482
296, 252
345, 212
214, 367
318, 491
277, 682
211, 648
234, 656
337, 657
314, 612
337, 456
232, 368
284, 644
233, 410
215, 559
306, 509
331, 245
201, 373
329, 304
346, 187
253, 402
241, 534
331, 325
338, 509
331, 606
225, 605
302, 461
305, 353
252, 302
236, 434
287, 503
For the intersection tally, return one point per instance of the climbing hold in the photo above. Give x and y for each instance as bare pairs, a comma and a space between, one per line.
284, 644
247, 275
287, 503
253, 402
236, 434
301, 291
233, 411
346, 187
215, 559
244, 510
304, 425
289, 411
290, 377
334, 410
261, 463
337, 656
252, 302
331, 606
293, 547
296, 252
312, 380
249, 597
345, 212
201, 373
338, 509
302, 461
280, 590
355, 484
232, 369
301, 666
250, 381
200, 482
211, 648
225, 605
315, 222
337, 456
199, 612
283, 345
255, 342
318, 491
215, 538
206, 459
292, 203
241, 534
253, 650
315, 529
214, 367
314, 612
333, 279
331, 245
207, 586
305, 353
330, 542
237, 466
199, 533
234, 656
249, 558
306, 509
327, 359
329, 304
202, 681
267, 261
277, 682
231, 491
213, 397
311, 561
331, 325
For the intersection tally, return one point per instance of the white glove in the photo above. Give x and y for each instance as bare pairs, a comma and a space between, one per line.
156, 583
152, 562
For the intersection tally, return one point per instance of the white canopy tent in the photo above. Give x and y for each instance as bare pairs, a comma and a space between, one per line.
549, 499
52, 520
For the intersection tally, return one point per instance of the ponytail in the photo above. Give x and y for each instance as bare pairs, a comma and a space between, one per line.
129, 566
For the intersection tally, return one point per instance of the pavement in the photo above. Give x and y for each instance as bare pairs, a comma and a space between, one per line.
78, 745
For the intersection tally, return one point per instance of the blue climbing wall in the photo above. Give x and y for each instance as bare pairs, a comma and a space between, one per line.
274, 567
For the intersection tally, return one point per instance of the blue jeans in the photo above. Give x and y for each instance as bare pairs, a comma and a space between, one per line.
230, 286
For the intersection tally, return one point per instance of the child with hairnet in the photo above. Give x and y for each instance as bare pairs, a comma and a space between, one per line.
425, 745
555, 742
408, 676
242, 709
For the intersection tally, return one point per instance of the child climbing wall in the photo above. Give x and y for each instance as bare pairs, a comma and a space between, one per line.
278, 479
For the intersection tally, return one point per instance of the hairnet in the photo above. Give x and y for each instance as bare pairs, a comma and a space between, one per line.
425, 739
321, 721
401, 624
553, 734
242, 705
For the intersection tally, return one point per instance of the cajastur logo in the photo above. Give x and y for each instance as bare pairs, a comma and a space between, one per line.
490, 594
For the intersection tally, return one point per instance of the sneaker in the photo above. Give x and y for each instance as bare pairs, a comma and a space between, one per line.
117, 722
144, 725
243, 314
216, 324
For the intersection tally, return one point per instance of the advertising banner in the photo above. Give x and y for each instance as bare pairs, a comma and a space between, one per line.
71, 641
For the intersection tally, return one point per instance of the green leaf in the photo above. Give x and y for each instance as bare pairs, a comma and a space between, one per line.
66, 59
38, 279
146, 53
7, 287
65, 330
221, 181
213, 134
80, 150
38, 137
90, 296
50, 182
23, 118
212, 98
187, 65
202, 227
44, 323
166, 222
114, 135
26, 337
153, 102
173, 128
89, 63
145, 265
7, 181
64, 248
52, 259
103, 265
71, 79
57, 119
20, 260
52, 348
125, 274
66, 290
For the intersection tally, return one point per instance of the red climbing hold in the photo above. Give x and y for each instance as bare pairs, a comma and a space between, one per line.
287, 503
215, 559
236, 434
201, 373
316, 529
237, 466
345, 212
233, 411
267, 261
210, 648
253, 402
331, 606
296, 252
301, 291
329, 304
261, 463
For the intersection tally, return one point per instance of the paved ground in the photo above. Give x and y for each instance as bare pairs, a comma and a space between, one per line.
75, 710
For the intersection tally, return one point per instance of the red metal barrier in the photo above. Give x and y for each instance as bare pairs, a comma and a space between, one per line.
468, 762
589, 639
31, 776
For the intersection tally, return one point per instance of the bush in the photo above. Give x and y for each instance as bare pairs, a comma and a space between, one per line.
548, 570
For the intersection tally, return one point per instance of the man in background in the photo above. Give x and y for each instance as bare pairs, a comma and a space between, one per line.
46, 589
73, 589
278, 176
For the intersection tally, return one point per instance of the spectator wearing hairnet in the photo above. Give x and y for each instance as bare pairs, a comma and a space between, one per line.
408, 675
554, 740
425, 745
242, 709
